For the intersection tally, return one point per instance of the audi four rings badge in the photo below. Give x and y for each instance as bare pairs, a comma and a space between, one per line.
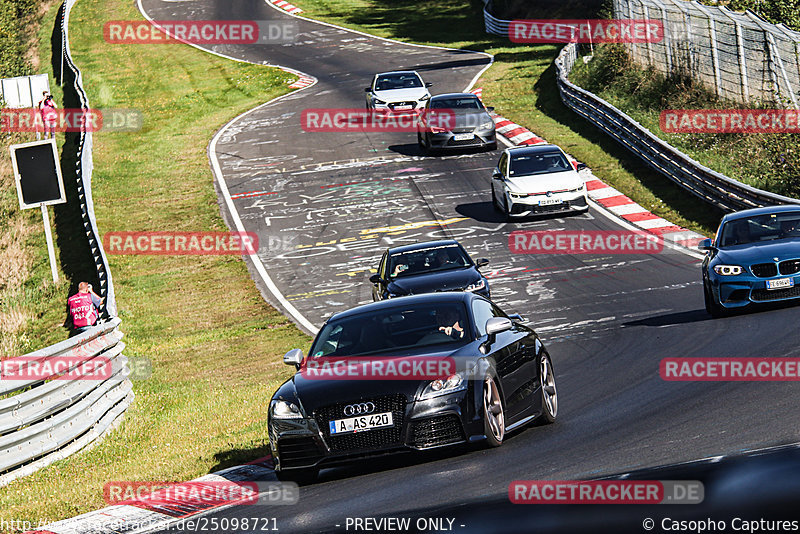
362, 408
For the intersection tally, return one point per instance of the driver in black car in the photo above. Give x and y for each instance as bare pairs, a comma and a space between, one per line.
449, 323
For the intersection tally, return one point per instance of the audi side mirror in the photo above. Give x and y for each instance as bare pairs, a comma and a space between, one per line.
706, 244
495, 325
293, 357
482, 262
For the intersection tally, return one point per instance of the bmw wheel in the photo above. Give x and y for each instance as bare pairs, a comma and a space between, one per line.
547, 383
494, 422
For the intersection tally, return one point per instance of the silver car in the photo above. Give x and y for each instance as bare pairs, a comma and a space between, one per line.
456, 120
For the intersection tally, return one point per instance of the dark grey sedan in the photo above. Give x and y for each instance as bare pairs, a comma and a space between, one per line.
456, 120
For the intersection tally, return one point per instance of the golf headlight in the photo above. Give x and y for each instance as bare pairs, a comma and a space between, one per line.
285, 410
480, 284
487, 125
728, 270
444, 386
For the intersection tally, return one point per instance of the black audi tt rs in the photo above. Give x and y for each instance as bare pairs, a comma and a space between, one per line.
350, 398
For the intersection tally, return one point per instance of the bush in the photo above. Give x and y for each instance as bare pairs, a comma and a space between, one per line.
13, 17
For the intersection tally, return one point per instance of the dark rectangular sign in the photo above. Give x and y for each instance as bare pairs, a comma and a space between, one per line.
37, 173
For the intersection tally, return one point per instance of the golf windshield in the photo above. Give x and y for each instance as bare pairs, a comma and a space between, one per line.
538, 163
767, 227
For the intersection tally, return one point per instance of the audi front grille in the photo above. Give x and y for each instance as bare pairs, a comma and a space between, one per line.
378, 438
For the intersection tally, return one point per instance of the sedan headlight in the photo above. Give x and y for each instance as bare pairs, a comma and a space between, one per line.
446, 386
378, 101
487, 125
728, 270
480, 284
285, 410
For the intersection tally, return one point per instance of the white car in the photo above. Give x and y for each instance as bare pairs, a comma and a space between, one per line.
397, 91
537, 179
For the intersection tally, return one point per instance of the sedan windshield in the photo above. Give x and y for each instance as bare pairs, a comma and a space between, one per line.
467, 103
393, 329
768, 227
540, 163
397, 81
427, 260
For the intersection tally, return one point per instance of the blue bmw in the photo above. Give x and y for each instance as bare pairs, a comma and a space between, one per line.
754, 258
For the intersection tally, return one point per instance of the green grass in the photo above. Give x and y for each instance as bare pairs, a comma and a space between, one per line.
214, 344
521, 86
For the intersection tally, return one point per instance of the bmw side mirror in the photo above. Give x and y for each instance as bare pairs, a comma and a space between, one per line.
376, 279
428, 84
367, 89
482, 262
581, 166
293, 357
706, 244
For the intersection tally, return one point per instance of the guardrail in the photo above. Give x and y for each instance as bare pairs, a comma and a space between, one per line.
66, 404
49, 416
713, 187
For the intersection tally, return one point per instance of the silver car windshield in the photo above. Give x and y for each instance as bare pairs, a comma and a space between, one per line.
540, 163
768, 227
462, 103
389, 82
389, 330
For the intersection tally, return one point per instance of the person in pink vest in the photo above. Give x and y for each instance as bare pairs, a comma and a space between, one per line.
49, 114
83, 308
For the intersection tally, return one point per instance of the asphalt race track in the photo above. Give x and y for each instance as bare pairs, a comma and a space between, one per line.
326, 205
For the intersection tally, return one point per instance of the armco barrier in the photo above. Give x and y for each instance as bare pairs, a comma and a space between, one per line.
47, 418
44, 418
711, 186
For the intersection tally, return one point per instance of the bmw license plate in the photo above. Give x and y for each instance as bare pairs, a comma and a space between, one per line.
463, 137
361, 423
549, 202
780, 284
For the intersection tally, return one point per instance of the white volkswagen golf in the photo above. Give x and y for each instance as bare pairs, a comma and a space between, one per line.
537, 179
397, 91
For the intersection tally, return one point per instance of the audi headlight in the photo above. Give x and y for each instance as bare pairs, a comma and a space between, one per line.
728, 270
445, 386
480, 284
285, 410
487, 125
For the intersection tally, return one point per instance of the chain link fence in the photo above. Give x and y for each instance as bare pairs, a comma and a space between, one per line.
739, 55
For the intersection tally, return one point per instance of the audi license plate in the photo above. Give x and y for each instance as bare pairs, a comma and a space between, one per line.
463, 137
549, 202
780, 284
361, 423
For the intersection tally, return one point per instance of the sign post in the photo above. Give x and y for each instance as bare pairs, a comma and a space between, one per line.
37, 175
